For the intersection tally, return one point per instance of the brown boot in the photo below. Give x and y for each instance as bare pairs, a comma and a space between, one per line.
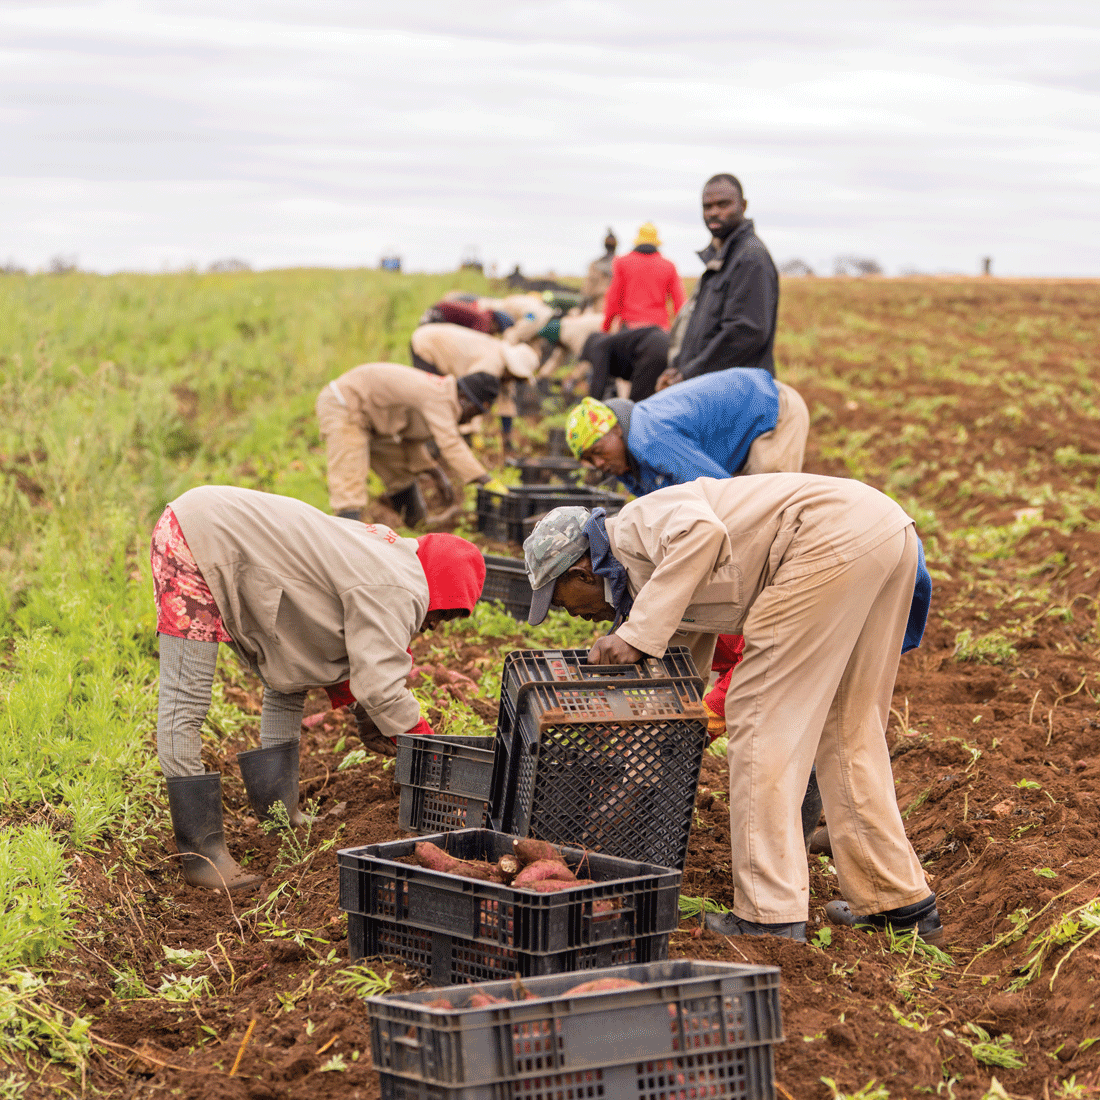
195, 803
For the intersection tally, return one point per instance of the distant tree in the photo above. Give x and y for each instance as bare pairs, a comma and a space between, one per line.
61, 265
12, 268
228, 266
858, 266
795, 267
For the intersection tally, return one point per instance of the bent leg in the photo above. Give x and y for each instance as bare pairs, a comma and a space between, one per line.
186, 680
281, 718
347, 450
876, 865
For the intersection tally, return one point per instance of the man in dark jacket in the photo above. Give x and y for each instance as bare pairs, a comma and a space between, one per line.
732, 315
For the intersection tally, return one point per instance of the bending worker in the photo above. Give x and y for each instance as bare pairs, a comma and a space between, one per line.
825, 579
458, 351
307, 600
735, 422
380, 416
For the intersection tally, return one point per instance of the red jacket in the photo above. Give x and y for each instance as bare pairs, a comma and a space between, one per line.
641, 285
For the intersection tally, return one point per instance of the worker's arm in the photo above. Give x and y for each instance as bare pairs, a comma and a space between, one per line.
613, 301
379, 623
676, 292
685, 547
441, 416
745, 324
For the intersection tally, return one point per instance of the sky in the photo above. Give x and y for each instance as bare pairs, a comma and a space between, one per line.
925, 135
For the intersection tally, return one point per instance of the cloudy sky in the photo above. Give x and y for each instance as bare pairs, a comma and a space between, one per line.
150, 134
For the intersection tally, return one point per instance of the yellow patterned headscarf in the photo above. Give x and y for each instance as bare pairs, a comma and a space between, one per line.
590, 421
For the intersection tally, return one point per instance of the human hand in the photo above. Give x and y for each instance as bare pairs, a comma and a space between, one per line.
612, 650
668, 377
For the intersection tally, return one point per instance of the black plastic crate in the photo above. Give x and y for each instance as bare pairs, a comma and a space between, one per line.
506, 581
693, 1029
445, 782
511, 516
553, 469
456, 929
604, 756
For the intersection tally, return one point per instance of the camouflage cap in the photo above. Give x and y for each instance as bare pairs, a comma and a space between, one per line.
557, 543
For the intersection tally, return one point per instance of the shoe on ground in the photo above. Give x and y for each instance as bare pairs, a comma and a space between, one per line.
921, 915
726, 924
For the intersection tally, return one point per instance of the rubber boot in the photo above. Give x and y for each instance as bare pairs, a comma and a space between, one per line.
409, 504
270, 776
195, 803
811, 809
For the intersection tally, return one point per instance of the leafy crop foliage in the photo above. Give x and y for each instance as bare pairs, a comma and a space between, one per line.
116, 395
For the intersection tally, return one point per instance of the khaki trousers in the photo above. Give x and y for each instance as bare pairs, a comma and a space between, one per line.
351, 453
815, 686
781, 450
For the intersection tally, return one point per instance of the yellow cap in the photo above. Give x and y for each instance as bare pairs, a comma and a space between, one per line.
647, 234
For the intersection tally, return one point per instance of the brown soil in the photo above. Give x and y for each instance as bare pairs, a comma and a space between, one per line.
996, 763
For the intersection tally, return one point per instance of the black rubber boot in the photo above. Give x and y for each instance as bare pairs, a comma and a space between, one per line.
921, 915
195, 803
726, 924
270, 776
409, 505
811, 809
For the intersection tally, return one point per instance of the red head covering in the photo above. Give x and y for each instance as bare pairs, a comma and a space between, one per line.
455, 570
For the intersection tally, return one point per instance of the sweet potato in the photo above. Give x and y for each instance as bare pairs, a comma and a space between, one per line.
599, 985
542, 870
440, 1002
528, 850
435, 859
508, 866
484, 1000
549, 885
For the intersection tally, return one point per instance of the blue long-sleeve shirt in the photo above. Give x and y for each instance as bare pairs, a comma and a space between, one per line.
703, 427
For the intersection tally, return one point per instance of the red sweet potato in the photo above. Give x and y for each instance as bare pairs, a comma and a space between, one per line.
435, 859
528, 850
508, 866
542, 870
549, 885
601, 984
440, 1002
484, 1000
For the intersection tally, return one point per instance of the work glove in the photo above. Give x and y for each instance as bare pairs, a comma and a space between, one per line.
421, 729
371, 736
716, 723
495, 485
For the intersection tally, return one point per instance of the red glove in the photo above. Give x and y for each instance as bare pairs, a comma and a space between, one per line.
421, 729
727, 656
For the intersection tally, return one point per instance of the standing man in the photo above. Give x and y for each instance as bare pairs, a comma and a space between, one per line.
642, 286
730, 321
824, 578
599, 274
380, 416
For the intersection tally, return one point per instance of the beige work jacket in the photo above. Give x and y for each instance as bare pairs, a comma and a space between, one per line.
402, 403
457, 350
311, 600
699, 554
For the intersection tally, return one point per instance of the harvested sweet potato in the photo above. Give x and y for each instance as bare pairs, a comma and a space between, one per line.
439, 1002
599, 985
542, 870
550, 885
434, 858
528, 850
508, 866
483, 1000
